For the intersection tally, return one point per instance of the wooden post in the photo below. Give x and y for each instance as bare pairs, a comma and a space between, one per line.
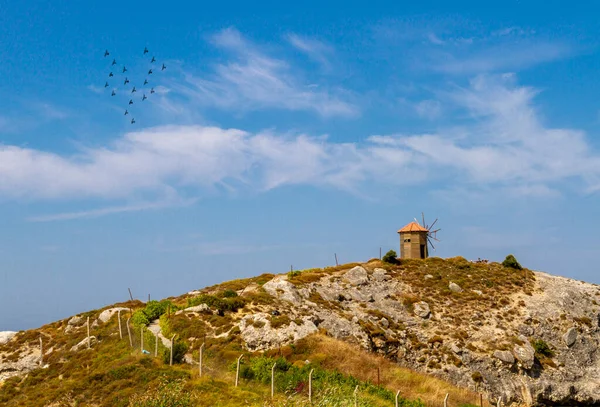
119, 317
148, 297
273, 380
200, 359
397, 394
291, 268
171, 360
380, 253
88, 330
499, 401
155, 344
336, 261
446, 400
378, 376
130, 296
237, 371
129, 332
142, 339
356, 396
41, 352
310, 386
480, 399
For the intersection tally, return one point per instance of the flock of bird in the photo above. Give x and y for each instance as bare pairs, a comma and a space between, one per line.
132, 90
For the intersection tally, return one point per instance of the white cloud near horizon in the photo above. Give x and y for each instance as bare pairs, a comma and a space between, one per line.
254, 80
505, 146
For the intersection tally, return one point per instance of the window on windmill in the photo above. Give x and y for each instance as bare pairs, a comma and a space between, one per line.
406, 240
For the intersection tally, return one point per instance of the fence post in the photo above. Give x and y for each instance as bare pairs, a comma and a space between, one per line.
88, 330
237, 371
155, 344
130, 296
171, 360
41, 352
356, 396
273, 380
119, 317
446, 400
142, 338
481, 399
499, 401
310, 386
129, 332
200, 359
397, 394
380, 253
336, 261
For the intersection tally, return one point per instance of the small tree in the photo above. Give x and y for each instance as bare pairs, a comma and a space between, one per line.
511, 261
390, 257
179, 349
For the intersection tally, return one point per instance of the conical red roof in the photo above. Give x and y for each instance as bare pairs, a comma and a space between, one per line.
413, 227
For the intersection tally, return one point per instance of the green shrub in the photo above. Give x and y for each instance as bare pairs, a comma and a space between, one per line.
179, 350
139, 318
390, 257
224, 304
229, 294
169, 393
542, 348
511, 261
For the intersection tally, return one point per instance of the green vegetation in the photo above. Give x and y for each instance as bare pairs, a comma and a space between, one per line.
168, 393
152, 311
542, 349
179, 350
223, 302
390, 257
511, 262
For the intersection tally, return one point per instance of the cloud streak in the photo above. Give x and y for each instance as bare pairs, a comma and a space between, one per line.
505, 146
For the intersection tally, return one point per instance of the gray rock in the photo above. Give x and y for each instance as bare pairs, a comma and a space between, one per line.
381, 275
198, 308
107, 314
455, 348
478, 292
505, 356
76, 320
428, 277
6, 336
455, 287
384, 322
357, 276
280, 288
570, 336
525, 354
421, 309
83, 344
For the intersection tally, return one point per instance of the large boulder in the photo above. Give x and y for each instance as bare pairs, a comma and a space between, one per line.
381, 275
525, 354
76, 320
6, 336
198, 308
108, 313
455, 287
421, 309
357, 276
505, 356
282, 289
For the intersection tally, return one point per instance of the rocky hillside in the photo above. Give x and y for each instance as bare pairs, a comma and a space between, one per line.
423, 327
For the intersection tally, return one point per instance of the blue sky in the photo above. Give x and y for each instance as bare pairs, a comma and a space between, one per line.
281, 134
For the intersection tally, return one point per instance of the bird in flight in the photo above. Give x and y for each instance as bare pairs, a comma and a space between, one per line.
110, 75
114, 62
130, 101
145, 50
106, 85
106, 53
124, 69
144, 97
132, 121
126, 81
145, 81
153, 60
152, 90
133, 90
113, 93
126, 112
163, 67
150, 72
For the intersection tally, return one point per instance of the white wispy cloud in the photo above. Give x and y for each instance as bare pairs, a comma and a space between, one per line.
254, 80
505, 146
316, 50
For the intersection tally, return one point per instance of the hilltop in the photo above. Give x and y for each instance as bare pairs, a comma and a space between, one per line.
425, 328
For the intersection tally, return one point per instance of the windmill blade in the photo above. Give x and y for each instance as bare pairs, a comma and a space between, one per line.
429, 241
423, 217
436, 219
416, 220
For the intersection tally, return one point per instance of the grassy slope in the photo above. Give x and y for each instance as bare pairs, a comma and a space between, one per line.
111, 372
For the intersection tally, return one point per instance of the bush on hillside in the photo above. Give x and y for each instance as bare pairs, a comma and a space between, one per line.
542, 348
390, 257
179, 350
153, 310
511, 261
166, 394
